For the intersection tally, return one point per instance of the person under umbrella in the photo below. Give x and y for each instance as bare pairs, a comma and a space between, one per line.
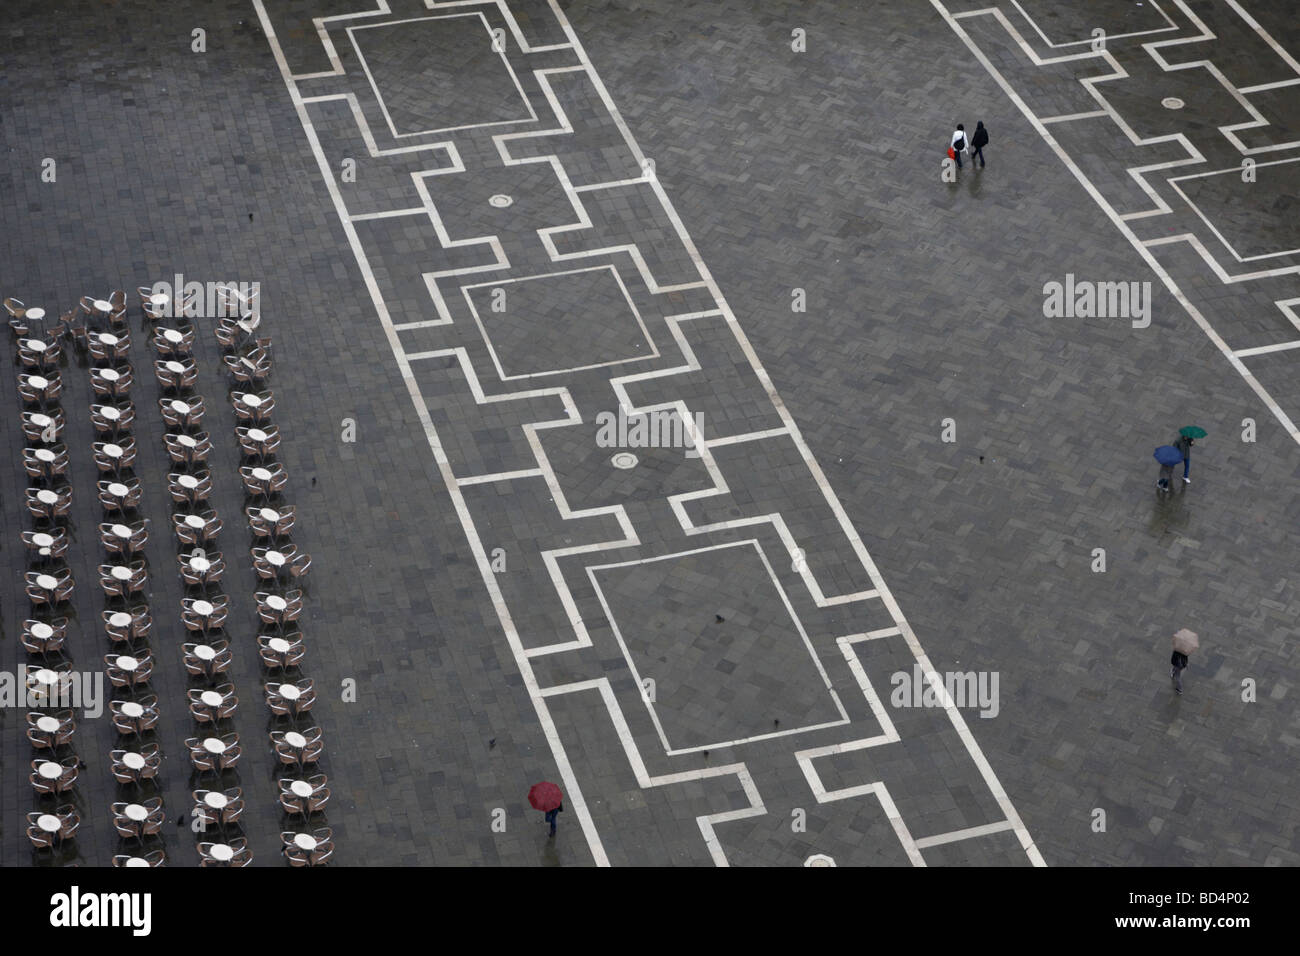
1186, 438
547, 797
1185, 642
1168, 456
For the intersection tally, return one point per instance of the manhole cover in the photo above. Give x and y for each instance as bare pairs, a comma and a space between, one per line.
819, 859
624, 460
501, 200
1172, 103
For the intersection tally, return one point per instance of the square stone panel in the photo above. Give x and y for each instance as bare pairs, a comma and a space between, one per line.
1255, 220
560, 322
1067, 22
439, 73
753, 674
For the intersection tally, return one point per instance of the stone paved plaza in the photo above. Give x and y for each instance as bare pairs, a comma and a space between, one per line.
663, 418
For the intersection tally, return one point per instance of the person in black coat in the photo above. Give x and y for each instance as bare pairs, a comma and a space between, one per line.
1177, 664
1184, 444
978, 142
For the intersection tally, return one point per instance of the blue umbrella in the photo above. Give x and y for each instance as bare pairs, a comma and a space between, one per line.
1168, 455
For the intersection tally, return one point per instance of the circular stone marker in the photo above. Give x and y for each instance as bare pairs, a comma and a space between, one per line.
624, 460
500, 200
1172, 103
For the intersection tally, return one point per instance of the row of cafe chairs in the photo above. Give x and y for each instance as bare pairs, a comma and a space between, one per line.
276, 559
48, 583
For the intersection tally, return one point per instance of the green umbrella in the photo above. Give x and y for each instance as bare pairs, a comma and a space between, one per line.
1192, 431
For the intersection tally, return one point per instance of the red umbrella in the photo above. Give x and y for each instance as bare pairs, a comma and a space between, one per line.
545, 796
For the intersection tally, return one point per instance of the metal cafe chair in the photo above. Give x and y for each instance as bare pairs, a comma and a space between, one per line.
207, 660
123, 627
54, 776
46, 463
120, 495
136, 766
304, 797
197, 528
200, 615
134, 717
291, 699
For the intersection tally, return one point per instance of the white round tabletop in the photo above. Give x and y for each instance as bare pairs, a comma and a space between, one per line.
159, 298
119, 619
38, 381
108, 338
113, 451
47, 725
261, 474
276, 603
222, 853
42, 630
121, 572
257, 434
50, 770
251, 400
41, 421
305, 841
45, 676
275, 557
295, 739
269, 514
133, 811
133, 760
103, 305
121, 530
42, 540
202, 607
132, 709
211, 698
187, 441
36, 345
118, 489
36, 314
204, 652
44, 454
217, 801
111, 412
45, 496
47, 581
175, 367
136, 861
171, 335
279, 645
179, 407
127, 663
289, 691
301, 788
187, 481
214, 746
200, 564
49, 822
194, 521
111, 374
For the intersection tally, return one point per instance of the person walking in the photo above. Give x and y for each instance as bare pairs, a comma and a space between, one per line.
1185, 642
1184, 444
978, 142
546, 796
1177, 664
553, 814
1166, 472
959, 142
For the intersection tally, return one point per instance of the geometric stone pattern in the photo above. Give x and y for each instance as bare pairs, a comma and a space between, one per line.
1215, 170
781, 711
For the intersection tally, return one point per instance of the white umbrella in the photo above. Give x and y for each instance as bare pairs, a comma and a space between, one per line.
1186, 642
